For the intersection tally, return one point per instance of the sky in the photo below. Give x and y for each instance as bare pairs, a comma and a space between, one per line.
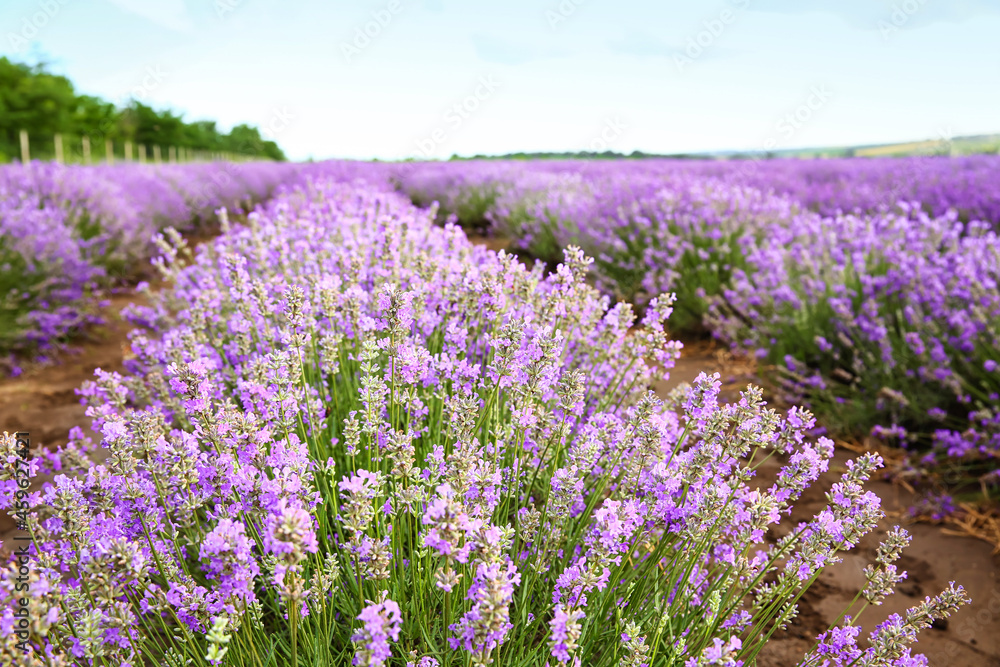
395, 79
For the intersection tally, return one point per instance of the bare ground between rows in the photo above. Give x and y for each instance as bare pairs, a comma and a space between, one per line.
43, 402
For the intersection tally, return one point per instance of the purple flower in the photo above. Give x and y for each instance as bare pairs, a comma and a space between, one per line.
381, 622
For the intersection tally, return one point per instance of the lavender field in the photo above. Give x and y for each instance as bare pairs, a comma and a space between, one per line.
500, 334
346, 432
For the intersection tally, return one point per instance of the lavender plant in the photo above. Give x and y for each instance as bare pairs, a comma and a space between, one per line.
69, 234
351, 435
887, 321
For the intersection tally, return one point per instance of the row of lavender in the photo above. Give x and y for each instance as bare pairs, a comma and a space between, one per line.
884, 318
966, 185
68, 234
829, 187
351, 436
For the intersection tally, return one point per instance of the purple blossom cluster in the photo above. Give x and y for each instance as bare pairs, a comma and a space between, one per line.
380, 623
351, 434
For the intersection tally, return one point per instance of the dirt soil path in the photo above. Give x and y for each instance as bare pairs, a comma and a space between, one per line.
44, 403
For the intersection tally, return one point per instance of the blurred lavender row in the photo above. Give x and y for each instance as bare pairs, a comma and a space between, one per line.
965, 184
68, 234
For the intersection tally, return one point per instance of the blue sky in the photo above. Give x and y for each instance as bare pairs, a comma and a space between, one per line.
412, 78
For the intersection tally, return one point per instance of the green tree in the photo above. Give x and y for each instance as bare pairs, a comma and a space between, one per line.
32, 100
45, 104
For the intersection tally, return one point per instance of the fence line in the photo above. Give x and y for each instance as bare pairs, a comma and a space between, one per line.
174, 154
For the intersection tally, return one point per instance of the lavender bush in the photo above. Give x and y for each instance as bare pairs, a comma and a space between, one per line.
883, 320
69, 233
351, 435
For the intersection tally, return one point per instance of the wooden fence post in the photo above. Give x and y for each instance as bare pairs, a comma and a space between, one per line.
142, 153
128, 150
156, 153
59, 148
109, 151
25, 154
85, 142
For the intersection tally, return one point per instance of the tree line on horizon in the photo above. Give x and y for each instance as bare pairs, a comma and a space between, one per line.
44, 104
